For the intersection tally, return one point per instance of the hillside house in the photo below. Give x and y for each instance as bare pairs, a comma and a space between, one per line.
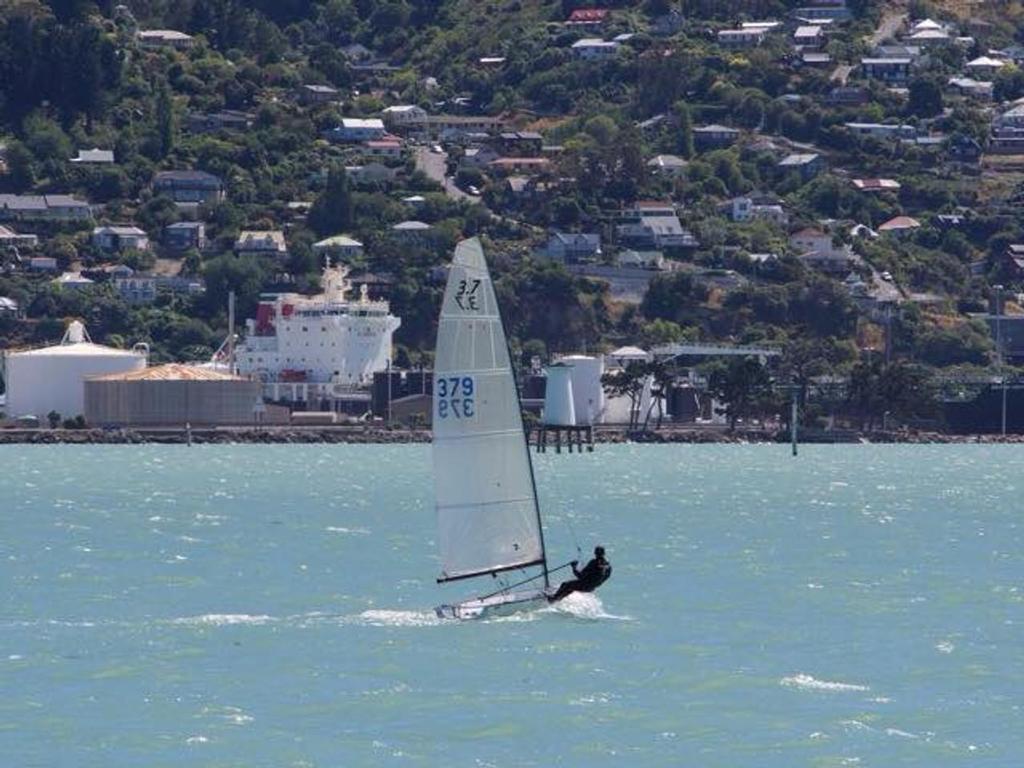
817, 249
653, 225
587, 18
807, 165
354, 130
714, 136
165, 38
189, 186
741, 38
889, 70
9, 238
899, 226
519, 165
94, 156
213, 122
573, 247
338, 247
520, 143
876, 186
261, 243
183, 235
115, 239
670, 166
312, 94
883, 130
742, 209
44, 208
595, 49
404, 116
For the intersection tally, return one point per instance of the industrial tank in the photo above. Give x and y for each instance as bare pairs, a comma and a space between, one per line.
559, 403
172, 396
51, 378
587, 390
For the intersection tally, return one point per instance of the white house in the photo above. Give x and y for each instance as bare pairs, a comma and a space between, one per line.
120, 238
340, 246
593, 48
816, 248
405, 115
357, 129
261, 243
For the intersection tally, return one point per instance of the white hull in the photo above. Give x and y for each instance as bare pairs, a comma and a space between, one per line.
495, 605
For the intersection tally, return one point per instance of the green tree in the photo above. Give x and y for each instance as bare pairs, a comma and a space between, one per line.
332, 212
166, 125
741, 384
685, 134
925, 99
21, 172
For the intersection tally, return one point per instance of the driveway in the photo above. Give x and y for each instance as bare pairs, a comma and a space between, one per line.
434, 164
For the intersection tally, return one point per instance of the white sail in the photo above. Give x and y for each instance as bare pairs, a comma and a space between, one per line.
487, 512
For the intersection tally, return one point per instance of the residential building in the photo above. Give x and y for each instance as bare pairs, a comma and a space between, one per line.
520, 143
653, 225
478, 157
404, 116
743, 209
455, 127
899, 225
573, 247
595, 49
42, 264
389, 148
889, 70
815, 58
847, 95
412, 230
261, 243
9, 308
120, 238
137, 289
507, 165
311, 94
94, 157
189, 186
73, 281
964, 149
338, 247
875, 185
714, 136
9, 238
817, 249
741, 38
370, 173
633, 259
587, 18
357, 129
165, 38
212, 122
883, 130
986, 65
667, 165
808, 36
184, 235
968, 87
807, 165
44, 207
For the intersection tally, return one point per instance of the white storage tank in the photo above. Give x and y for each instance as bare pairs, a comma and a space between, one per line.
52, 378
587, 391
559, 410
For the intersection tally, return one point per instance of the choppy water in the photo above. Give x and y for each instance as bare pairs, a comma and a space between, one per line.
271, 606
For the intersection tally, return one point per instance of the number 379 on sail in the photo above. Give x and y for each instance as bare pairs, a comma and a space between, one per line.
456, 397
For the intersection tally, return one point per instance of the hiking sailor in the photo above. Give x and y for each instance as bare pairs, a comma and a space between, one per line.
594, 574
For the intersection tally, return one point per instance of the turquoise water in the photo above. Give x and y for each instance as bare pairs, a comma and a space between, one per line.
271, 606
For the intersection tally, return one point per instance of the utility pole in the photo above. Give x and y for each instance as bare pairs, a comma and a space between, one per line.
794, 417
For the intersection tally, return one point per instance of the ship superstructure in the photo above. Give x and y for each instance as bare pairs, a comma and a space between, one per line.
307, 347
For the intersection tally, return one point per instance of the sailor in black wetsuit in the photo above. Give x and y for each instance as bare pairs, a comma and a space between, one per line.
594, 574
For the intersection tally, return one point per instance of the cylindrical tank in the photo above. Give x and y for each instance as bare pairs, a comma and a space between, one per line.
51, 379
587, 392
558, 397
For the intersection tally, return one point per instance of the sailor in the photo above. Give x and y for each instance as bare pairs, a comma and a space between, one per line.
594, 574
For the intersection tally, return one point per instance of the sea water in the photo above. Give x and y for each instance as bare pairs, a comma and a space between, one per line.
272, 606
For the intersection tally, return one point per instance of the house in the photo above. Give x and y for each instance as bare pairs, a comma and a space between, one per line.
411, 230
817, 249
669, 166
356, 129
876, 185
404, 116
633, 259
338, 247
508, 165
94, 157
653, 225
477, 157
587, 18
595, 49
741, 38
9, 238
968, 87
714, 136
573, 247
815, 58
808, 36
520, 143
184, 235
212, 122
119, 238
847, 95
743, 209
311, 94
261, 243
1012, 261
9, 308
137, 289
73, 281
180, 284
189, 186
899, 225
823, 12
899, 51
889, 70
44, 207
165, 38
491, 61
454, 127
389, 147
986, 65
42, 264
883, 130
807, 165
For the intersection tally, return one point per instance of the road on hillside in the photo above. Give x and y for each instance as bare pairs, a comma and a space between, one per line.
891, 22
434, 164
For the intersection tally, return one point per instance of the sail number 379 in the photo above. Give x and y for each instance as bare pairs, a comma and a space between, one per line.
456, 397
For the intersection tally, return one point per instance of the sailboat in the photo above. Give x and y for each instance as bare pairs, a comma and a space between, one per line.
487, 511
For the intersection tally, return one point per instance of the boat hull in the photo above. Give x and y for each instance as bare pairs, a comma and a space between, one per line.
502, 604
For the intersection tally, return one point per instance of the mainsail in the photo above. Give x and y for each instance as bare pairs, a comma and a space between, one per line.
487, 513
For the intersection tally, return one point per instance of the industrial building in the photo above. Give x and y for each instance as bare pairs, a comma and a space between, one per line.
172, 396
50, 379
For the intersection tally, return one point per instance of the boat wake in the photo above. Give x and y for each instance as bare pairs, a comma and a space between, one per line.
809, 683
583, 605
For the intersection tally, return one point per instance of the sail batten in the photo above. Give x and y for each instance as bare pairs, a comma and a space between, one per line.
486, 501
